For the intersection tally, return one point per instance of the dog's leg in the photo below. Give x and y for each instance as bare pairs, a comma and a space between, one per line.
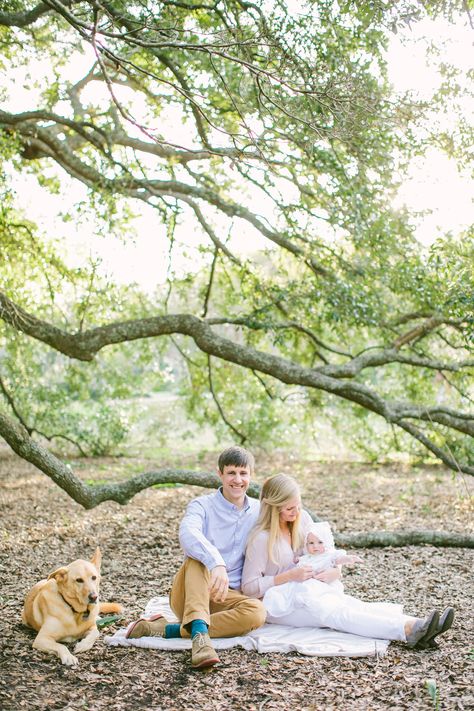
87, 642
45, 643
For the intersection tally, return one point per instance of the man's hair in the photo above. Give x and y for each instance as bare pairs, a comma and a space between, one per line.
237, 456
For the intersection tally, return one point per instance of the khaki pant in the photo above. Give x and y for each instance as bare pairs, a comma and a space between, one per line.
189, 600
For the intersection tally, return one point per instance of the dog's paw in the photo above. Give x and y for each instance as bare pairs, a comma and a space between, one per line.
69, 659
82, 646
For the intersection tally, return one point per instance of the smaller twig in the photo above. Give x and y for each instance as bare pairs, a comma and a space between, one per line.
243, 438
209, 284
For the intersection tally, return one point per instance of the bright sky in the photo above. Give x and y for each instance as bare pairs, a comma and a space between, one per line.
435, 185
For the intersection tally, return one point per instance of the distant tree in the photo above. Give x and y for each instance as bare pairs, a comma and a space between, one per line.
293, 139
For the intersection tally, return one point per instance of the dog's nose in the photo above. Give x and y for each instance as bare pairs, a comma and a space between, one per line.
92, 596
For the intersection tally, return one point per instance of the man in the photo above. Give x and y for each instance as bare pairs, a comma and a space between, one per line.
205, 594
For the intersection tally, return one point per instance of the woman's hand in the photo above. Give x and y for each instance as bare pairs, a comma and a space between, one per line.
294, 575
301, 574
328, 576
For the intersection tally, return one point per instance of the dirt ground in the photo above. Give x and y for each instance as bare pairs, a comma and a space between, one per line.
41, 528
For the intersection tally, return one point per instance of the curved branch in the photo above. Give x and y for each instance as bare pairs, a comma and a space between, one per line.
448, 459
390, 355
269, 326
85, 345
23, 19
420, 331
122, 492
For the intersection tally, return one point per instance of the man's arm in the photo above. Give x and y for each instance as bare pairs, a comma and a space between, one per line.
193, 541
195, 545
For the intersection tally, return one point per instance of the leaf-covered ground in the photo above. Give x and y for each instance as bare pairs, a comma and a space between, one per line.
42, 528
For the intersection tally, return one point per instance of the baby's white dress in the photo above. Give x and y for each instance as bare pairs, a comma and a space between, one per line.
282, 599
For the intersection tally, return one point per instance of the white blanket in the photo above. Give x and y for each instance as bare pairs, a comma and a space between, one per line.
310, 641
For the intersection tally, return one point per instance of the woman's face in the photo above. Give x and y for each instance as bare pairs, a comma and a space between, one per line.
290, 511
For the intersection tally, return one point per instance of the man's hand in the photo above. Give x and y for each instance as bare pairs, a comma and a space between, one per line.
219, 583
328, 576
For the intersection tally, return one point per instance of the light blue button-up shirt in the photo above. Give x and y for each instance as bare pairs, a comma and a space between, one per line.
215, 532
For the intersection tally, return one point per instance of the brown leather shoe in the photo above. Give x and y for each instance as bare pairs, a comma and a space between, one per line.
147, 627
203, 654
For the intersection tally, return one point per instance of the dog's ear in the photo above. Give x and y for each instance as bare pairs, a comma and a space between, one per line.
59, 575
97, 558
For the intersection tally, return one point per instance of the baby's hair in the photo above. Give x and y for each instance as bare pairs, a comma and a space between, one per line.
236, 456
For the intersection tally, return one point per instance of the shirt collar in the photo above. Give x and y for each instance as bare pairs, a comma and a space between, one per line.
227, 504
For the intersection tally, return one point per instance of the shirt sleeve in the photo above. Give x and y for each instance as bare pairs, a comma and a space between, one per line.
193, 541
254, 581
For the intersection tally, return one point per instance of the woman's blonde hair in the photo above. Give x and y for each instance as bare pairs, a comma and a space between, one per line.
277, 491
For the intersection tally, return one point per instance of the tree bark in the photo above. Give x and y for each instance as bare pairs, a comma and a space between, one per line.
397, 539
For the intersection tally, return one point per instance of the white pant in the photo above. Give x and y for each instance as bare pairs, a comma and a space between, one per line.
380, 620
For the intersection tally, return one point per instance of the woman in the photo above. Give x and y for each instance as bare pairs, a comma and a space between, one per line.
272, 551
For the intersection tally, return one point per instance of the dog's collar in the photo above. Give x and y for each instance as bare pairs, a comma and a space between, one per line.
85, 614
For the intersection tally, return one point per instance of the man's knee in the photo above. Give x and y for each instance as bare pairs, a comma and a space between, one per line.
256, 613
191, 580
195, 567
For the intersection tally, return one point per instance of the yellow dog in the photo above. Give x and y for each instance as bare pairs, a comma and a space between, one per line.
64, 608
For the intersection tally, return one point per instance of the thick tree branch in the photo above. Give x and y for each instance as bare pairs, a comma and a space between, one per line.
122, 492
23, 19
397, 539
85, 345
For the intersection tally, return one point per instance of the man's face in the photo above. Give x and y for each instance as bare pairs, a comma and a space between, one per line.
235, 482
314, 545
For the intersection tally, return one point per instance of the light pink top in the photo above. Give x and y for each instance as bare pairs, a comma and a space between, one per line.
259, 571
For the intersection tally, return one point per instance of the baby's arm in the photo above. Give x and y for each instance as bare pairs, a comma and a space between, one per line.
348, 559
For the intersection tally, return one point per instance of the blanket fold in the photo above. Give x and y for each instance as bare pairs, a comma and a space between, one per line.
308, 641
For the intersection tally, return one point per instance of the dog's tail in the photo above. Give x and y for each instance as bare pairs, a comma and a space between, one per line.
108, 607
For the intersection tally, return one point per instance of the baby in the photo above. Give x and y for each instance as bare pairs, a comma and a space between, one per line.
321, 554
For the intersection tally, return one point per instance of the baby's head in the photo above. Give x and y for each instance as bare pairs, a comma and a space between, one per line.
314, 544
319, 539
